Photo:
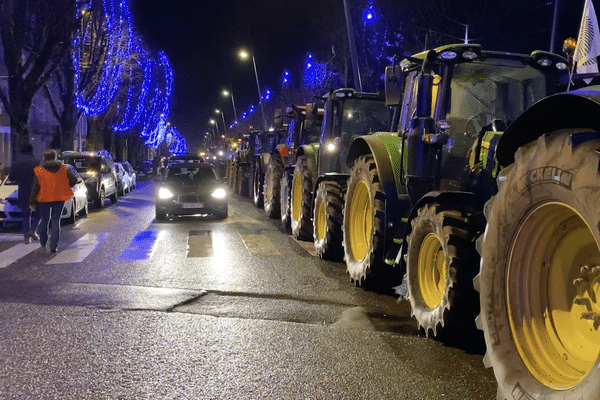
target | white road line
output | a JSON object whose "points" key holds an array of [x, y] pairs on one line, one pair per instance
{"points": [[79, 250], [11, 255]]}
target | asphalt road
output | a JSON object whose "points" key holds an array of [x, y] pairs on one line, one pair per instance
{"points": [[204, 309]]}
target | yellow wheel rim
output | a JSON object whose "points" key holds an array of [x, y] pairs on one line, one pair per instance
{"points": [[296, 197], [432, 270], [553, 290], [360, 221], [321, 222]]}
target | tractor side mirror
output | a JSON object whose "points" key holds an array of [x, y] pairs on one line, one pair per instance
{"points": [[394, 85]]}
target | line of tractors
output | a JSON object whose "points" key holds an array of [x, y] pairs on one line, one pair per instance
{"points": [[472, 188]]}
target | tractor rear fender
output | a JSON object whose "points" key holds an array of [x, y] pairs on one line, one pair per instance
{"points": [[571, 110]]}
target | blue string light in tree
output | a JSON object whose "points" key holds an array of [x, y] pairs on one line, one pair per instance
{"points": [[138, 91], [95, 98], [286, 78], [369, 14], [267, 96], [178, 143], [156, 122]]}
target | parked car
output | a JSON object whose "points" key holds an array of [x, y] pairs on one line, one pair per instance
{"points": [[123, 180], [132, 174], [78, 204], [10, 212], [144, 170], [98, 174], [191, 189]]}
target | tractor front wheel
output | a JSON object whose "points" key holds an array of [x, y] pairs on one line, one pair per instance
{"points": [[327, 220], [441, 262], [363, 225]]}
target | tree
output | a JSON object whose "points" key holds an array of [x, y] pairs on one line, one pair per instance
{"points": [[36, 35]]}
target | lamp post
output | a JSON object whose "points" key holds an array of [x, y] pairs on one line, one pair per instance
{"points": [[227, 93], [214, 123], [223, 118], [245, 55]]}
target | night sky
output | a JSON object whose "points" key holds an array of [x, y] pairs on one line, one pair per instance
{"points": [[202, 38]]}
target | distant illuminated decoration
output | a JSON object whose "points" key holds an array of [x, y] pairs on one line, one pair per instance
{"points": [[369, 15]]}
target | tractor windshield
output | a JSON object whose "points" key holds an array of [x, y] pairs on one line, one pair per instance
{"points": [[495, 91], [362, 117]]}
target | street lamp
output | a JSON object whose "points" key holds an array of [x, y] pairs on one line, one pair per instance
{"points": [[244, 55], [226, 94], [213, 122], [222, 117]]}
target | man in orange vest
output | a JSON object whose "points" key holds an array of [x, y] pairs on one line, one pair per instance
{"points": [[51, 188]]}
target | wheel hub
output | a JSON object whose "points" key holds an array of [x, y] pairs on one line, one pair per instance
{"points": [[432, 270], [361, 221]]}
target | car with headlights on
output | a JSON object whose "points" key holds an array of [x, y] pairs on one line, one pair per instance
{"points": [[191, 189]]}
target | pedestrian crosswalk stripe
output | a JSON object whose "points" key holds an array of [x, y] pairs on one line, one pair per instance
{"points": [[142, 246], [199, 244], [14, 253], [79, 250], [259, 245]]}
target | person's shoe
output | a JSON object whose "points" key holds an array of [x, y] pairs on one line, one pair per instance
{"points": [[27, 239], [34, 236], [54, 250]]}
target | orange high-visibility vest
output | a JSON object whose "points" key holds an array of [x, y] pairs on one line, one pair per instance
{"points": [[54, 186]]}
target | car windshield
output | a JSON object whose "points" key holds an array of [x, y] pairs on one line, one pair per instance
{"points": [[199, 174], [82, 164]]}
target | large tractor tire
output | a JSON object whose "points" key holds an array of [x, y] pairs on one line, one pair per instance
{"points": [[328, 215], [441, 262], [301, 200], [257, 187], [286, 206], [272, 186], [363, 225], [540, 272]]}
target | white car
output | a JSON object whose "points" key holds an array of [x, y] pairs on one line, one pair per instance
{"points": [[78, 204], [10, 212]]}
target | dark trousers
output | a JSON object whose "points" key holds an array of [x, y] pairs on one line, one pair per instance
{"points": [[50, 222], [31, 219]]}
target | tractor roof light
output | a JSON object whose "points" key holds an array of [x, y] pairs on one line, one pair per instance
{"points": [[544, 62], [469, 55], [448, 55], [561, 66]]}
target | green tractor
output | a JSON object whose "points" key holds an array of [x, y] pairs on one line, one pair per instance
{"points": [[490, 161], [318, 182], [303, 127]]}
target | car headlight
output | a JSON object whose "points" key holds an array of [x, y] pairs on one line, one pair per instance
{"points": [[220, 193], [164, 193]]}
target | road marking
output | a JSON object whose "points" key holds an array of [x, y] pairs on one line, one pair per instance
{"points": [[11, 255], [79, 250], [142, 247], [235, 217], [308, 246], [259, 245], [199, 244]]}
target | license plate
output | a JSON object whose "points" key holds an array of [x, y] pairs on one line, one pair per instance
{"points": [[193, 205]]}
